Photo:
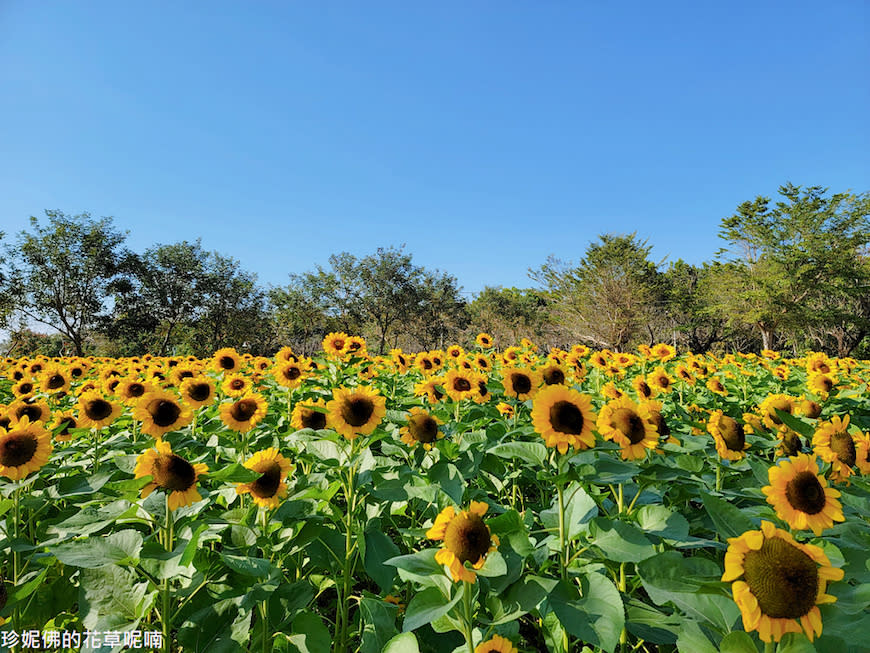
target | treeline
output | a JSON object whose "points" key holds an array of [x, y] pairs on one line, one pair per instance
{"points": [[793, 274]]}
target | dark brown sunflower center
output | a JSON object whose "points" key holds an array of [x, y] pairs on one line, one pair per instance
{"points": [[826, 383], [482, 389], [661, 425], [423, 428], [805, 493], [55, 381], [461, 385], [338, 344], [566, 417], [135, 390], [427, 364], [164, 412], [554, 376], [17, 449], [68, 423], [25, 388], [266, 486], [522, 383], [76, 372], [663, 381], [732, 433], [199, 391], [843, 445], [237, 384], [185, 374], [630, 424], [243, 410], [643, 389], [812, 409], [791, 443], [357, 410], [467, 537], [98, 409], [173, 473], [32, 411], [783, 579], [783, 405], [311, 419], [717, 386], [823, 368], [227, 362], [292, 373]]}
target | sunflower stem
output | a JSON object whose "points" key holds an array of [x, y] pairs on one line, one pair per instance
{"points": [[769, 647], [96, 450], [166, 610], [718, 475], [563, 545], [620, 499], [623, 636], [468, 621], [16, 560], [342, 618]]}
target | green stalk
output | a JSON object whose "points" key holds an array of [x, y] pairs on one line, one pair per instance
{"points": [[468, 621], [563, 545], [166, 610], [342, 623], [623, 636], [769, 647], [718, 475], [96, 450], [16, 560]]}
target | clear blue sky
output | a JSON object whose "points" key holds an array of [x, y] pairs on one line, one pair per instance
{"points": [[485, 135]]}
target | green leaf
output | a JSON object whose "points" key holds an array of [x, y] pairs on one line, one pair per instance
{"points": [[79, 485], [379, 549], [234, 473], [610, 470], [427, 606], [220, 627], [445, 476], [692, 640], [378, 623], [23, 590], [91, 519], [594, 614], [257, 567], [806, 429], [579, 509], [661, 521], [110, 598], [737, 642], [530, 591], [416, 566], [404, 643], [534, 453], [619, 541], [121, 548], [729, 520], [310, 635], [510, 528], [494, 566]]}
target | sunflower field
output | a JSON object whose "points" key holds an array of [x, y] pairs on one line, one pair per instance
{"points": [[470, 500]]}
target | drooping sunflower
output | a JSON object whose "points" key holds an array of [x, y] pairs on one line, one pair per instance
{"points": [[422, 428], [801, 497], [170, 473], [270, 488], [400, 360], [197, 391], [459, 384], [226, 360], [610, 391], [778, 582], [833, 443], [160, 412], [728, 434], [305, 417], [335, 344], [481, 392], [497, 644], [769, 406], [507, 410], [245, 413], [520, 382], [95, 411], [356, 411], [484, 340], [564, 418], [655, 413], [660, 379], [790, 443], [466, 539], [24, 448], [236, 385], [629, 425]]}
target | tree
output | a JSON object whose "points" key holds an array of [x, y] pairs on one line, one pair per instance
{"points": [[61, 271], [689, 308], [510, 314], [610, 298], [791, 260]]}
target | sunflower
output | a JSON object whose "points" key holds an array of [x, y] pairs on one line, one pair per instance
{"points": [[790, 443], [684, 374], [170, 473], [284, 355], [610, 391], [563, 417], [809, 408], [663, 352], [801, 497], [822, 384], [643, 389], [660, 380], [553, 374], [400, 360], [714, 384], [335, 344], [497, 644], [235, 385], [226, 360], [655, 413], [160, 412], [455, 352], [245, 413], [197, 391], [24, 388], [600, 359], [818, 363], [95, 411], [520, 382], [629, 425], [36, 410], [54, 379], [24, 447], [769, 406], [505, 409], [423, 363], [862, 452], [482, 362], [61, 424], [484, 340], [466, 539], [290, 374], [270, 488], [481, 392], [355, 412], [833, 443], [429, 388], [459, 384], [305, 417], [728, 434], [422, 428], [783, 582], [356, 345]]}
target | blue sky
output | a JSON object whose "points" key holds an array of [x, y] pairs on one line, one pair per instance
{"points": [[484, 135]]}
